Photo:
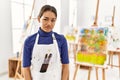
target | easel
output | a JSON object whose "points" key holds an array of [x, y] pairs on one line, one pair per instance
{"points": [[113, 16], [90, 66], [96, 15], [114, 52], [78, 64], [17, 74], [95, 24], [110, 62]]}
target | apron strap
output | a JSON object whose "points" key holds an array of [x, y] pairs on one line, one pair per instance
{"points": [[37, 37], [53, 36], [56, 46]]}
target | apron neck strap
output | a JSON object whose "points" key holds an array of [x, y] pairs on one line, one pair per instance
{"points": [[37, 38], [53, 36]]}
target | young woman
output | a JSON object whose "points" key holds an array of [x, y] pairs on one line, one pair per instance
{"points": [[45, 53]]}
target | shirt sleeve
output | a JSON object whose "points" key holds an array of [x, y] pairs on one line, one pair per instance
{"points": [[27, 53], [64, 51]]}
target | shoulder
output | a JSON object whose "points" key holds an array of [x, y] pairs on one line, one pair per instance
{"points": [[59, 36], [30, 40]]}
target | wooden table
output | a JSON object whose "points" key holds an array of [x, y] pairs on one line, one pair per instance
{"points": [[103, 67], [15, 68]]}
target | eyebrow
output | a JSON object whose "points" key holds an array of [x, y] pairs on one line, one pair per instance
{"points": [[48, 17]]}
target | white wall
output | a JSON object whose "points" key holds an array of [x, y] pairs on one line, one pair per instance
{"points": [[86, 10], [5, 34], [64, 18]]}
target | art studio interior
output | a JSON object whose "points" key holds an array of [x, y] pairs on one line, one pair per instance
{"points": [[91, 29]]}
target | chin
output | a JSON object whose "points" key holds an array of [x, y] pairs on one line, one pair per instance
{"points": [[47, 30]]}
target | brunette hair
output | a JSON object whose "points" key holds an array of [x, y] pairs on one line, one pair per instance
{"points": [[47, 8]]}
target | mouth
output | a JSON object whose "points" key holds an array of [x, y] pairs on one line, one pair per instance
{"points": [[48, 28]]}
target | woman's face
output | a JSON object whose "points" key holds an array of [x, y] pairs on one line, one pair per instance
{"points": [[47, 21]]}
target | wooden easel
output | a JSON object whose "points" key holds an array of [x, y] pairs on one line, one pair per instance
{"points": [[110, 62], [113, 17], [95, 23], [17, 73], [96, 15], [90, 66], [111, 53]]}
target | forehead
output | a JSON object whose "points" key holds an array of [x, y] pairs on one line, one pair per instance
{"points": [[49, 14]]}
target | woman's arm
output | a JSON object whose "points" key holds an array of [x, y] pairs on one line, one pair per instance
{"points": [[27, 73], [65, 71]]}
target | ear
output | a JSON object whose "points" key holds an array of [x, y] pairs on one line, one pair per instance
{"points": [[38, 19]]}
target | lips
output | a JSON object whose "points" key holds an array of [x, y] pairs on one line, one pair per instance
{"points": [[48, 28]]}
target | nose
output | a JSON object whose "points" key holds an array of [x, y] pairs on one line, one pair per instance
{"points": [[49, 22]]}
